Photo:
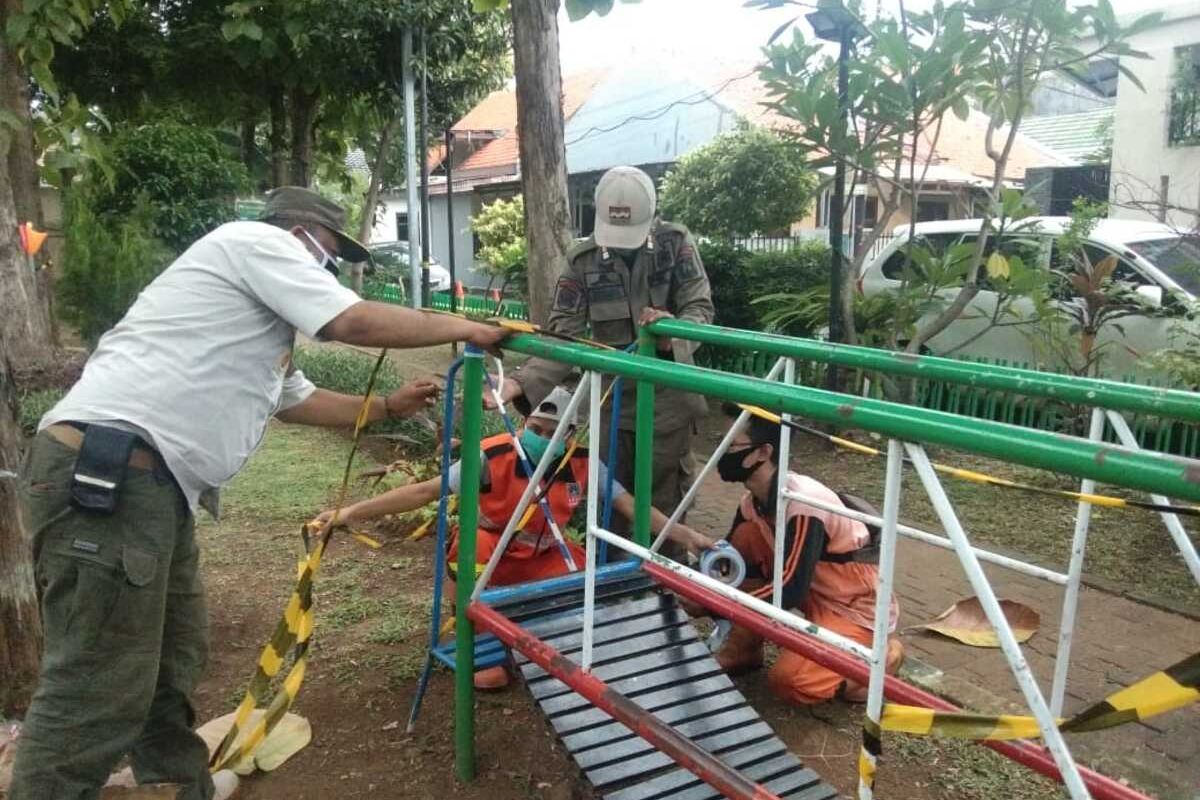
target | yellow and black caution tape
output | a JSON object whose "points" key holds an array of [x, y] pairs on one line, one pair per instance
{"points": [[294, 630], [868, 756], [1106, 501], [1172, 688]]}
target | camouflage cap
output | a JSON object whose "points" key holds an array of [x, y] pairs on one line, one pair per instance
{"points": [[305, 205]]}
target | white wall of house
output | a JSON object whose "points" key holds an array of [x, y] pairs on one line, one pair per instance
{"points": [[464, 246], [393, 215], [1142, 154], [385, 217]]}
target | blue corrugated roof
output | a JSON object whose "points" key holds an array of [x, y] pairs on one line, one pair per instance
{"points": [[610, 129]]}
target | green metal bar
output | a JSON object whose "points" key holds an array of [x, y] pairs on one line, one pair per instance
{"points": [[1064, 388], [643, 475], [468, 519], [1153, 472]]}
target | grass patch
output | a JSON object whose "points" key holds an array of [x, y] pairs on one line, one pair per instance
{"points": [[399, 619], [295, 474], [34, 405], [968, 771]]}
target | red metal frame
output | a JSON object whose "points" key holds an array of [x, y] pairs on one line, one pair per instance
{"points": [[1036, 758], [728, 781]]}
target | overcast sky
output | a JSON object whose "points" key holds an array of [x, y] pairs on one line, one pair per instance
{"points": [[682, 32]]}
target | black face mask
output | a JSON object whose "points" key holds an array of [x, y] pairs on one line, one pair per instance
{"points": [[730, 466]]}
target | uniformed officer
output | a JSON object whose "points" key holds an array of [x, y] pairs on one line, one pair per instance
{"points": [[633, 270]]}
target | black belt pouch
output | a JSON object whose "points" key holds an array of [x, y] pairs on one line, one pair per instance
{"points": [[100, 468]]}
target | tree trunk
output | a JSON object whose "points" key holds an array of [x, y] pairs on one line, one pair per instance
{"points": [[249, 147], [20, 632], [543, 153], [377, 169], [24, 317], [22, 161], [367, 224], [278, 136], [303, 108]]}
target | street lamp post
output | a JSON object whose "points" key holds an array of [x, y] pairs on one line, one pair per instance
{"points": [[834, 23]]}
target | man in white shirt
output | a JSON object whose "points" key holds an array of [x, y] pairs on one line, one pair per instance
{"points": [[174, 400]]}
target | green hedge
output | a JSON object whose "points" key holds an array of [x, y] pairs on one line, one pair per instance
{"points": [[739, 276]]}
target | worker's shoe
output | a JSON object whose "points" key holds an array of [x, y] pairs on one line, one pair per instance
{"points": [[492, 679], [225, 784], [742, 651], [856, 692]]}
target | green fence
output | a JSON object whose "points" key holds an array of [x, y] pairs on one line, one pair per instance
{"points": [[1153, 433]]}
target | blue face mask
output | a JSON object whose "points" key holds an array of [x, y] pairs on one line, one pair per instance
{"points": [[536, 446]]}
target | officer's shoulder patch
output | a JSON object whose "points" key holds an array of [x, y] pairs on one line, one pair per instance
{"points": [[581, 247], [568, 295]]}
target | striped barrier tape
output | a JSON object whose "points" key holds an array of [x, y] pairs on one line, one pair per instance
{"points": [[868, 758], [1172, 688], [1106, 501], [294, 631]]}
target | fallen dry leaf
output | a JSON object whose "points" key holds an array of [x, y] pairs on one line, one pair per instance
{"points": [[290, 736], [966, 622]]}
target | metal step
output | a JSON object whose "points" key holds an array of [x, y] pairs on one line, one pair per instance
{"points": [[646, 649]]}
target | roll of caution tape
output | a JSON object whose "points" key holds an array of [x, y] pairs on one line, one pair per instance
{"points": [[724, 563]]}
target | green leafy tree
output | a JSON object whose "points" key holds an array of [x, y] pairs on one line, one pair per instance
{"points": [[107, 262], [740, 184], [540, 125], [500, 227], [185, 176], [907, 73]]}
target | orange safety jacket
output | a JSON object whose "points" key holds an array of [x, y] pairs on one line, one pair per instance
{"points": [[828, 559], [502, 484]]}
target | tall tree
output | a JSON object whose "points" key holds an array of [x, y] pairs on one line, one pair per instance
{"points": [[20, 633], [540, 128], [542, 150]]}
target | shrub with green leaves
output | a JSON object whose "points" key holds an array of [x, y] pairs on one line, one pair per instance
{"points": [[500, 226], [749, 182], [106, 263], [739, 277], [34, 405], [184, 174]]}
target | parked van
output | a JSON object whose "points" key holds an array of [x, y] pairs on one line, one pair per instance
{"points": [[1161, 265]]}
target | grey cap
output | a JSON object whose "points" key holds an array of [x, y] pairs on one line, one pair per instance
{"points": [[554, 405], [305, 205], [625, 205]]}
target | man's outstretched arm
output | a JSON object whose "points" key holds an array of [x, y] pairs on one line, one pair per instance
{"points": [[370, 324]]}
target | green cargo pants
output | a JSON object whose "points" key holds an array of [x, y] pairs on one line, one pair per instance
{"points": [[673, 472], [126, 636]]}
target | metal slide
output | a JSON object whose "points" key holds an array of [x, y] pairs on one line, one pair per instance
{"points": [[646, 648]]}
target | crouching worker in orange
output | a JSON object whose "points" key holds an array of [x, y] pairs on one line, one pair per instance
{"points": [[830, 567], [533, 554]]}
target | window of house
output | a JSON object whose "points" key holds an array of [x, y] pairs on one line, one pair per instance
{"points": [[1184, 130], [870, 212], [933, 210], [402, 226]]}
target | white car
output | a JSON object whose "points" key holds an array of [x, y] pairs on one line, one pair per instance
{"points": [[1162, 265], [391, 258]]}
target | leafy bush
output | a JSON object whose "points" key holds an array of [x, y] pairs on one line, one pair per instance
{"points": [[500, 226], [738, 277], [347, 372], [183, 173], [106, 263], [34, 405], [744, 183]]}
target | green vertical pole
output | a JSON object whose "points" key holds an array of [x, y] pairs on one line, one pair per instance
{"points": [[468, 519], [643, 476]]}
